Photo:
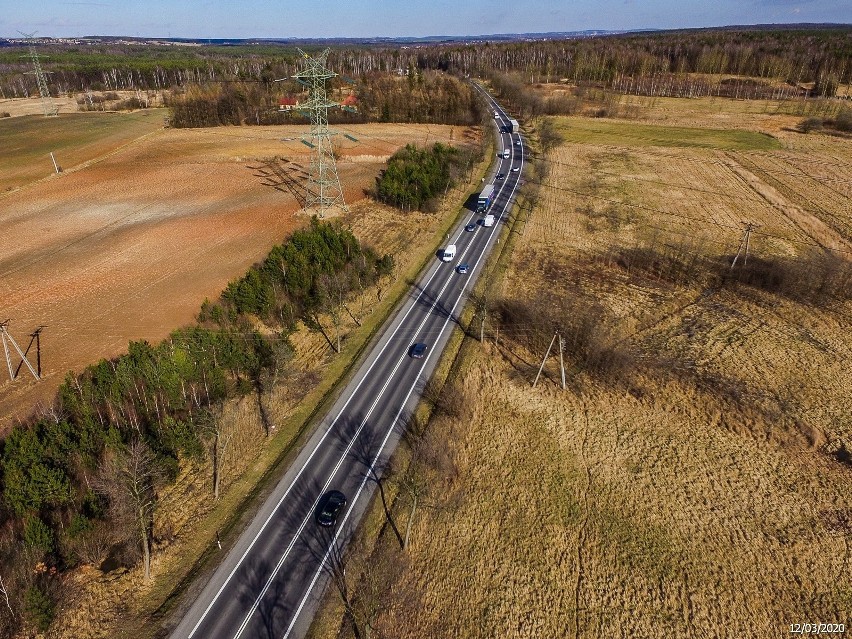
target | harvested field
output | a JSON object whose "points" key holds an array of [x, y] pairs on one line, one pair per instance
{"points": [[693, 479], [584, 131], [127, 245]]}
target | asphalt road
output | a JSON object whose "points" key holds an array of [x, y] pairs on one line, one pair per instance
{"points": [[270, 583]]}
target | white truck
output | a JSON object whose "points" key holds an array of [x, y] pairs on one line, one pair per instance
{"points": [[488, 221], [513, 126], [449, 253]]}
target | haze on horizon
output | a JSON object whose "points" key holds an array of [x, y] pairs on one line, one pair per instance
{"points": [[372, 18]]}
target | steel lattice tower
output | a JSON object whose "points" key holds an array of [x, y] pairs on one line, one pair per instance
{"points": [[41, 78], [323, 191]]}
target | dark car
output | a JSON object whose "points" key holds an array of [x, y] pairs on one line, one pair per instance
{"points": [[462, 268], [418, 350], [329, 507], [499, 176], [470, 227]]}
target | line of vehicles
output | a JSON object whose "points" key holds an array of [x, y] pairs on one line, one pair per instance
{"points": [[485, 197]]}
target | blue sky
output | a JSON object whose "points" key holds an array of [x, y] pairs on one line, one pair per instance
{"points": [[364, 18]]}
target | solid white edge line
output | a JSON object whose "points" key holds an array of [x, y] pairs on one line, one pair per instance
{"points": [[310, 457], [340, 461]]}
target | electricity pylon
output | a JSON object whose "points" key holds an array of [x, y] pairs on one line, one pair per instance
{"points": [[41, 78], [5, 337], [323, 188]]}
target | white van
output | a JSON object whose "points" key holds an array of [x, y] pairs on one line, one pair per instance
{"points": [[449, 253], [506, 154], [488, 221]]}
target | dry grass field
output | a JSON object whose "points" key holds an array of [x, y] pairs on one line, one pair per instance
{"points": [[695, 482], [144, 223]]}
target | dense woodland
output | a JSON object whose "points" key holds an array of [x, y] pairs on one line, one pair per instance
{"points": [[79, 482], [422, 96], [819, 55]]}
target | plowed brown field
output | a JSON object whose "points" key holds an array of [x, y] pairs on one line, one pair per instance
{"points": [[126, 244]]}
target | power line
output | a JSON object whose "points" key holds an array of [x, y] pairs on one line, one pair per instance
{"points": [[50, 109]]}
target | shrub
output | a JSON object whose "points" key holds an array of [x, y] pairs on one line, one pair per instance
{"points": [[415, 177], [38, 535], [810, 124], [39, 608], [843, 121]]}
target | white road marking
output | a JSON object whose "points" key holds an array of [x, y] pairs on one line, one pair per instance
{"points": [[393, 423], [340, 461]]}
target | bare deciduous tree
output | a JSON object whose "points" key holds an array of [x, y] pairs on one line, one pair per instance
{"points": [[219, 436], [5, 594], [127, 478]]}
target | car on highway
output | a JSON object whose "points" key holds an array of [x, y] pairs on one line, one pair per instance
{"points": [[470, 228], [517, 143], [499, 176], [329, 508], [418, 350], [462, 268], [516, 169]]}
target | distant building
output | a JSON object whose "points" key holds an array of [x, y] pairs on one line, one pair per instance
{"points": [[350, 101], [287, 103]]}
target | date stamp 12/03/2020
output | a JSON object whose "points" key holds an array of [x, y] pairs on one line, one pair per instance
{"points": [[817, 628]]}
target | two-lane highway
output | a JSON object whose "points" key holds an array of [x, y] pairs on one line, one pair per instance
{"points": [[270, 583]]}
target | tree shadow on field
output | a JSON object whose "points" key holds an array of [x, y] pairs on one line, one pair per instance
{"points": [[283, 175]]}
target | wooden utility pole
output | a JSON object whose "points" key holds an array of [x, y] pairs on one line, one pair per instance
{"points": [[543, 360], [745, 242], [6, 338], [561, 361]]}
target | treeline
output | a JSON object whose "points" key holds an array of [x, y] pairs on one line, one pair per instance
{"points": [[823, 56], [419, 96], [221, 104], [599, 343], [422, 96], [80, 482], [415, 178], [819, 55]]}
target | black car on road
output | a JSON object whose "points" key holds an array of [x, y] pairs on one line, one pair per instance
{"points": [[470, 227], [329, 508], [418, 350]]}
